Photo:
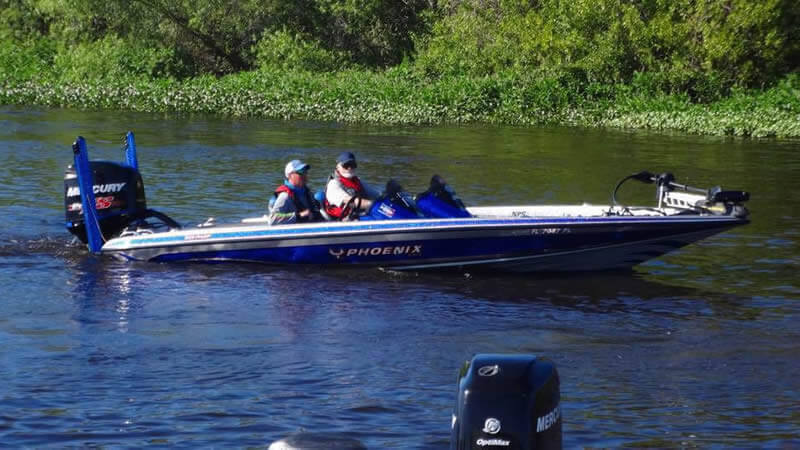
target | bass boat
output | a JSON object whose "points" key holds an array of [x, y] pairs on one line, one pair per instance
{"points": [[106, 209]]}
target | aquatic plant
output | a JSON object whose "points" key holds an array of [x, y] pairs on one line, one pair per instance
{"points": [[400, 97]]}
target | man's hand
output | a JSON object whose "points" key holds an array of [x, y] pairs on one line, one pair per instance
{"points": [[359, 203], [365, 204], [304, 213]]}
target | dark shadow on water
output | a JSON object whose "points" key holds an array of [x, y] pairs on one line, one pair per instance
{"points": [[604, 292]]}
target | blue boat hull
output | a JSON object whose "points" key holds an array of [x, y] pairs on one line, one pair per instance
{"points": [[509, 245]]}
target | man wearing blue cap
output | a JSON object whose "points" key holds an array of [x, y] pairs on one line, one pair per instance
{"points": [[292, 201], [345, 195]]}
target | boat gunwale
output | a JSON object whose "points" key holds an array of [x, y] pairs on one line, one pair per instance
{"points": [[254, 232]]}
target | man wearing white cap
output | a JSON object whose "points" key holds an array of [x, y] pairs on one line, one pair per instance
{"points": [[292, 201], [346, 195]]}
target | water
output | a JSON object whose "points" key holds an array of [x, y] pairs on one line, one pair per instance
{"points": [[697, 348]]}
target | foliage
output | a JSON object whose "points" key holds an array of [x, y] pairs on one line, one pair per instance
{"points": [[377, 33], [19, 21], [219, 37], [20, 64], [109, 58], [699, 47], [284, 50], [703, 48]]}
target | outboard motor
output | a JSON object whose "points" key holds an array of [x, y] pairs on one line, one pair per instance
{"points": [[393, 204], [507, 402], [441, 201], [115, 200], [119, 198]]}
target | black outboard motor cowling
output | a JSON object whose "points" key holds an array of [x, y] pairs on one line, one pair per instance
{"points": [[507, 402], [119, 197]]}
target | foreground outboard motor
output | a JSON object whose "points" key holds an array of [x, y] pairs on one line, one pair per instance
{"points": [[441, 201], [507, 402], [393, 204]]}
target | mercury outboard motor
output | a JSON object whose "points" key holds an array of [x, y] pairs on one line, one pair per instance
{"points": [[441, 201], [507, 402], [393, 204], [113, 199], [119, 198]]}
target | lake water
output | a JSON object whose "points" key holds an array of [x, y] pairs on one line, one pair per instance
{"points": [[698, 348]]}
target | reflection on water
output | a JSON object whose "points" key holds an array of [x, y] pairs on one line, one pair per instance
{"points": [[697, 348]]}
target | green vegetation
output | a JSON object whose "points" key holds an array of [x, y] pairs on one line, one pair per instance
{"points": [[711, 66]]}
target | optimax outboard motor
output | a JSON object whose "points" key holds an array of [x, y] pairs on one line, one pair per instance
{"points": [[507, 402], [441, 201]]}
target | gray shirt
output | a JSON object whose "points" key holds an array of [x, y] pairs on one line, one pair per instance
{"points": [[284, 210]]}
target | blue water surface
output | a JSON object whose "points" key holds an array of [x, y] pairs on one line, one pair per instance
{"points": [[697, 348]]}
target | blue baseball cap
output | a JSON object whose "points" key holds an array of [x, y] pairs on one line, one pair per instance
{"points": [[346, 157], [295, 165]]}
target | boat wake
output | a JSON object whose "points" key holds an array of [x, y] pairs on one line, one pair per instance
{"points": [[46, 245]]}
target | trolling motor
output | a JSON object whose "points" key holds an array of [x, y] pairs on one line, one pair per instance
{"points": [[671, 194], [103, 198], [507, 402]]}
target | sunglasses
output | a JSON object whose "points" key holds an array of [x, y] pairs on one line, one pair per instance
{"points": [[349, 165]]}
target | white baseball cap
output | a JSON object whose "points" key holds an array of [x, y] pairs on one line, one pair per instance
{"points": [[295, 165]]}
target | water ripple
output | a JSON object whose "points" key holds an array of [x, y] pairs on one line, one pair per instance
{"points": [[695, 349]]}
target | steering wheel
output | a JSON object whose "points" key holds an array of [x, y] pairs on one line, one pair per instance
{"points": [[351, 208]]}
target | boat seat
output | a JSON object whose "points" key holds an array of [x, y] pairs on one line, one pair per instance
{"points": [[319, 196]]}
